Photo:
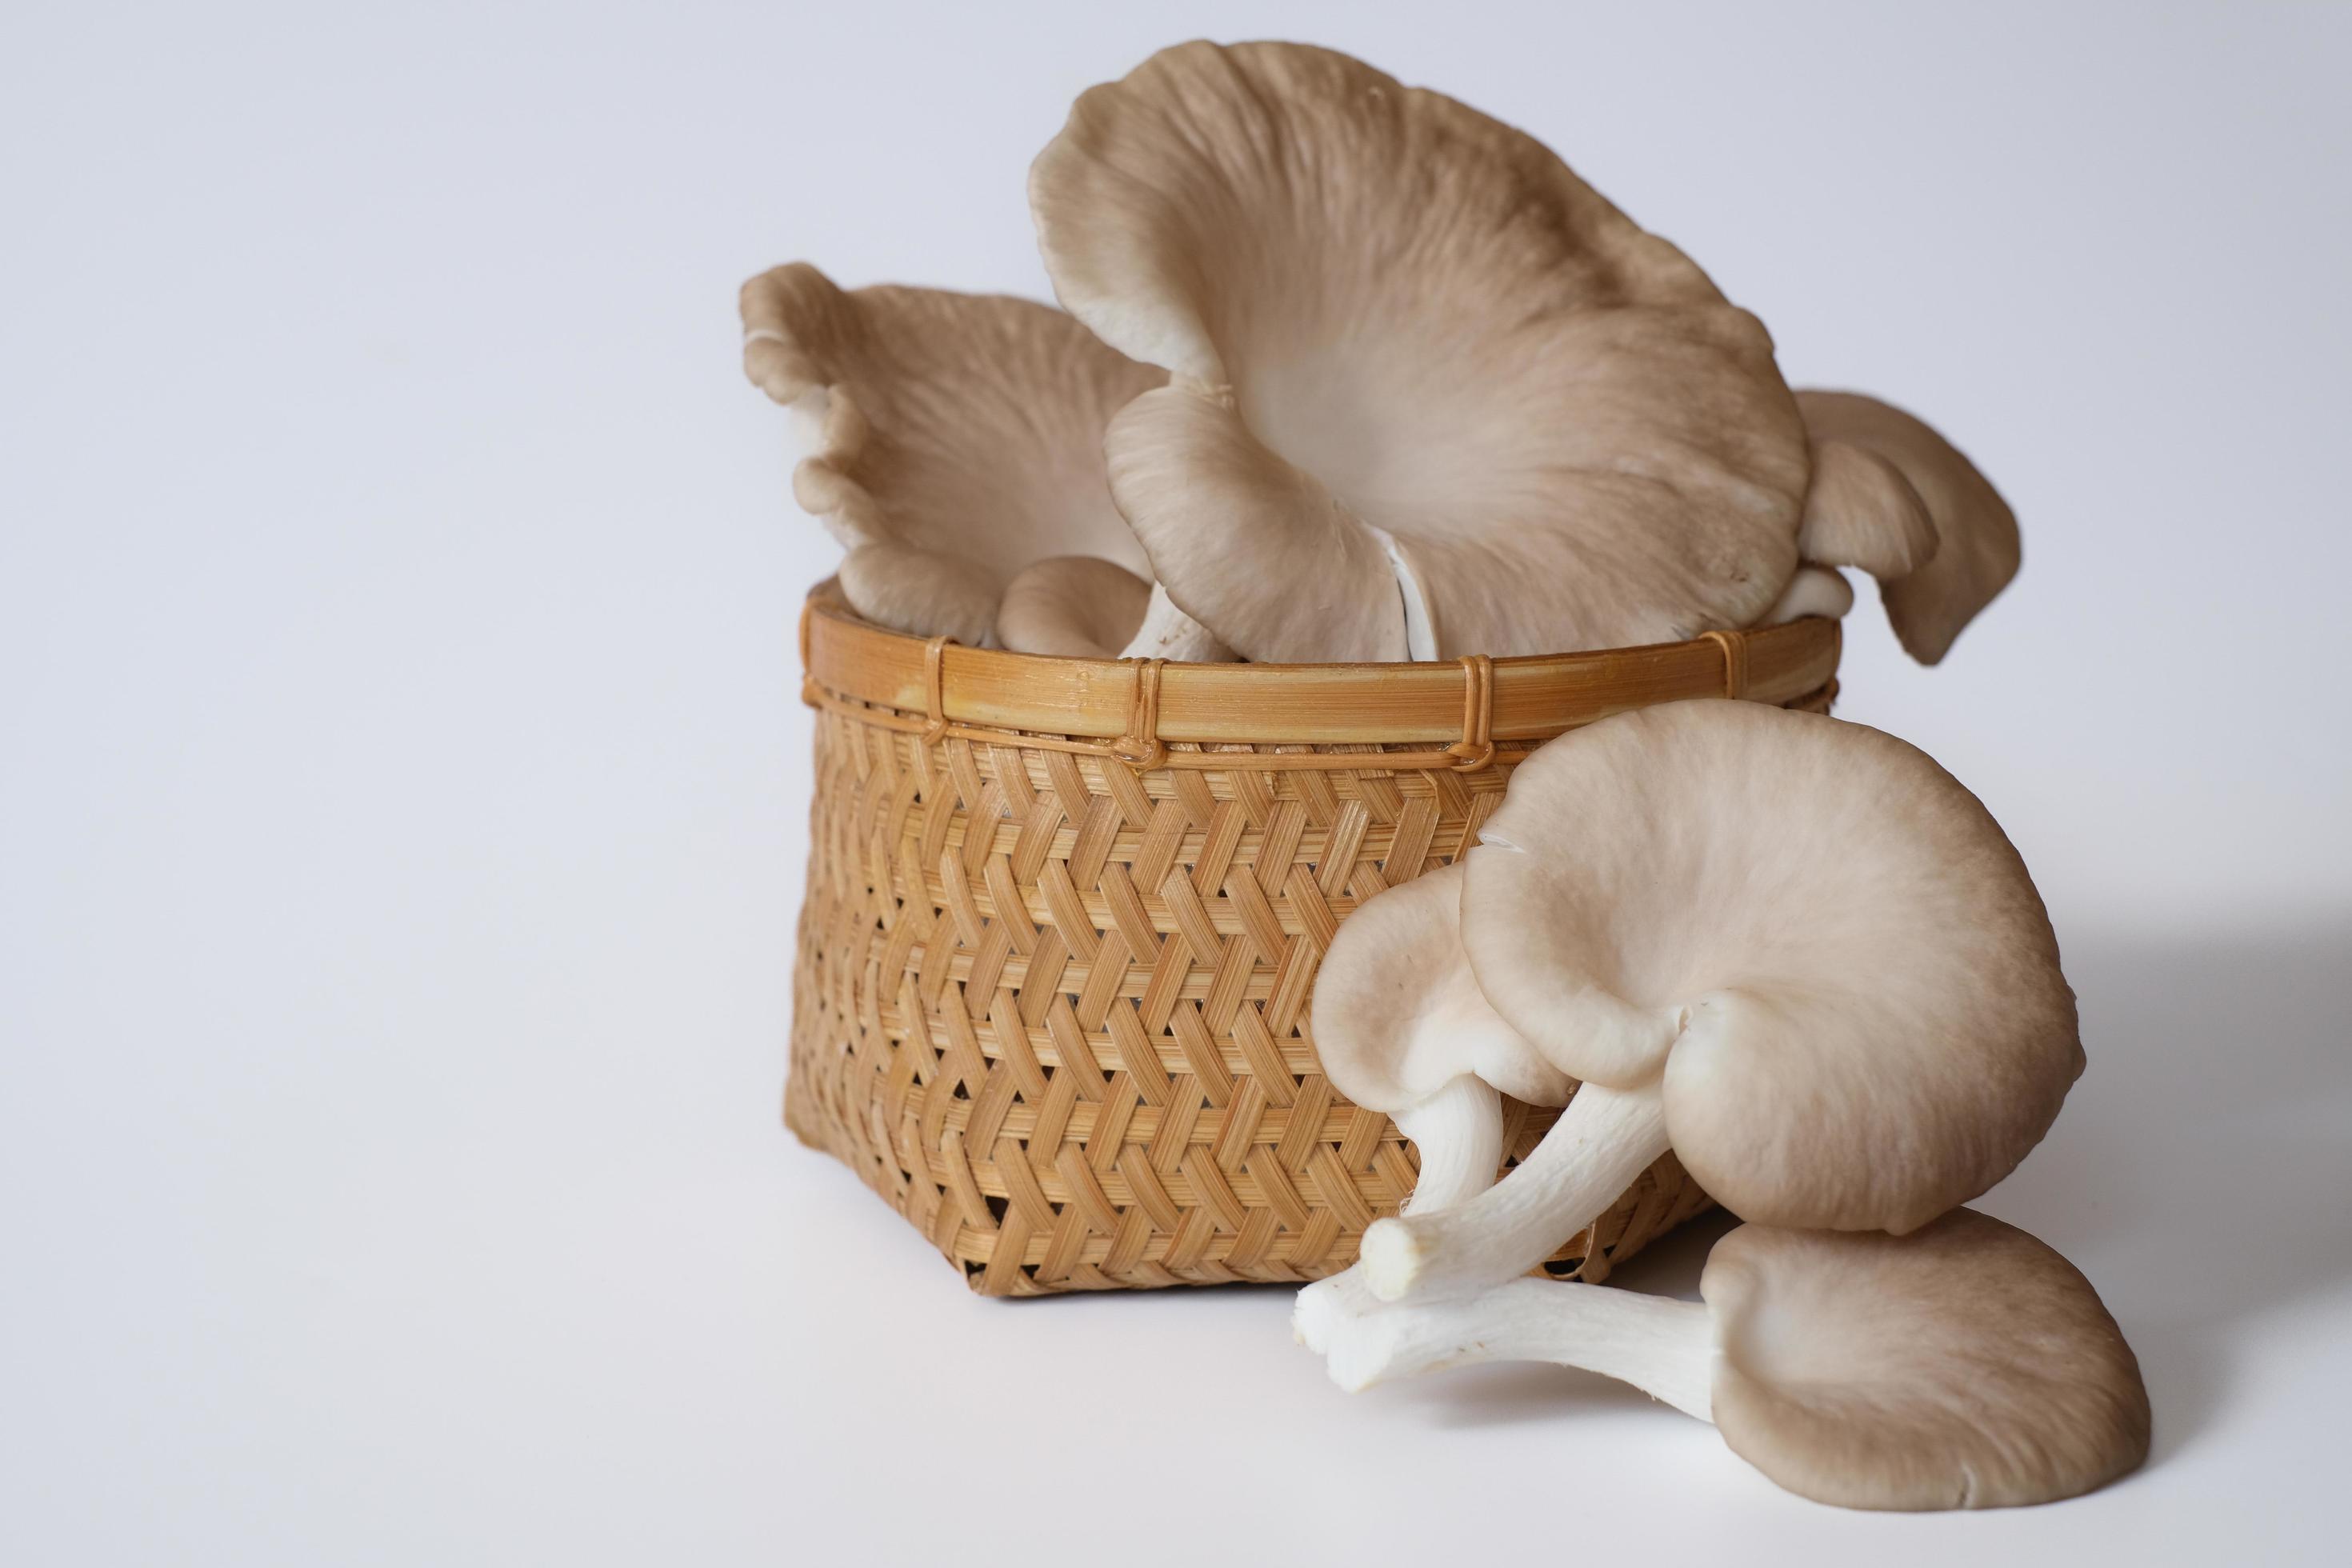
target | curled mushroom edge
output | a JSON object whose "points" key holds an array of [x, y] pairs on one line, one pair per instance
{"points": [[949, 440]]}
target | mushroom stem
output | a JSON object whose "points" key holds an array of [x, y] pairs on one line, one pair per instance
{"points": [[1168, 633], [1459, 1131], [1660, 1345], [1602, 1140]]}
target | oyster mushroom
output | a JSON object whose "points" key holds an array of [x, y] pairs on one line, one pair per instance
{"points": [[1399, 1026], [954, 438], [1079, 606], [1893, 497], [1417, 362], [1791, 949], [1082, 606], [1963, 1366]]}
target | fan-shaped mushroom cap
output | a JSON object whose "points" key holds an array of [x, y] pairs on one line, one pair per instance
{"points": [[1396, 1014], [1080, 606], [1965, 1366], [1391, 317], [1977, 549], [955, 438], [1818, 936]]}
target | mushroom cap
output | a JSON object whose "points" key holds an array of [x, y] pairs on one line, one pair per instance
{"points": [[1390, 315], [1977, 549], [1820, 938], [1965, 1366], [1080, 606], [953, 438], [1861, 511], [1396, 1014]]}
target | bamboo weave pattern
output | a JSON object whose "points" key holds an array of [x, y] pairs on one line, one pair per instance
{"points": [[1054, 1009]]}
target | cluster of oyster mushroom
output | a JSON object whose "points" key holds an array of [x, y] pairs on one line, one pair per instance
{"points": [[1838, 1003], [1348, 371]]}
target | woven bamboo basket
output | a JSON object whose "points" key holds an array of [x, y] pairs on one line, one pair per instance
{"points": [[1064, 917]]}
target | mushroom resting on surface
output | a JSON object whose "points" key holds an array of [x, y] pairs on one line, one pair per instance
{"points": [[1893, 497], [953, 438], [1791, 949], [1399, 1026], [1963, 1366], [1432, 395]]}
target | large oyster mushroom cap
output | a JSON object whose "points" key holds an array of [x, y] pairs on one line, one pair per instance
{"points": [[1387, 312], [952, 439], [1823, 942], [1965, 1366], [1977, 550]]}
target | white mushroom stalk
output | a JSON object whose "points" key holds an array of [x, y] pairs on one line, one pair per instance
{"points": [[1814, 591], [1431, 394], [952, 439], [1459, 1131], [1791, 949], [1400, 1025], [1964, 1365], [1893, 497]]}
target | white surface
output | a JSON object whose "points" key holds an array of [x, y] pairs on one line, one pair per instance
{"points": [[405, 798]]}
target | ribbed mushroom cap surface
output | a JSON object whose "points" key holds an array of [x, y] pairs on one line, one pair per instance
{"points": [[1386, 310], [1396, 1014], [953, 438], [1823, 941], [1965, 1366]]}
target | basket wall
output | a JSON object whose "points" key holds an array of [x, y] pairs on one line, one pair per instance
{"points": [[1055, 1010]]}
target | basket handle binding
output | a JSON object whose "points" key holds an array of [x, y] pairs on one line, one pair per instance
{"points": [[1141, 748], [1734, 661]]}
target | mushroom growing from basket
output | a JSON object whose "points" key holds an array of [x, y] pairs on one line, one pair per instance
{"points": [[1432, 396], [952, 438], [1893, 497], [1082, 606], [1399, 1026], [1964, 1365], [1791, 949]]}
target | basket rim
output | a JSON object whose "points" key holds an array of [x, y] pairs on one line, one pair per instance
{"points": [[1523, 698]]}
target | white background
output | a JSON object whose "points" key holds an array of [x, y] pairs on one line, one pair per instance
{"points": [[403, 799]]}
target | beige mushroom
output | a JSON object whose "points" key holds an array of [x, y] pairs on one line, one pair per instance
{"points": [[1963, 1366], [954, 438], [1399, 1026], [1793, 948], [1416, 358], [1081, 606], [1893, 497]]}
